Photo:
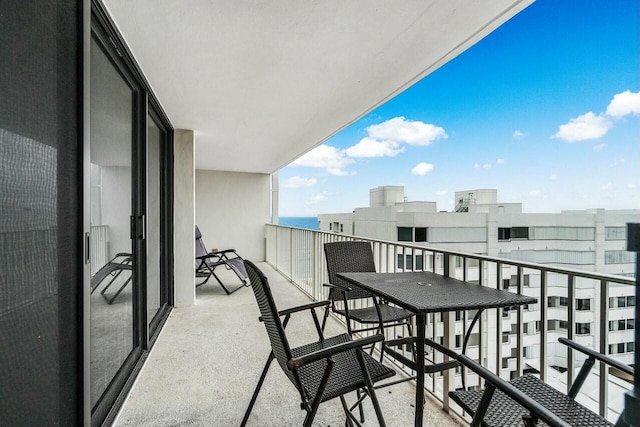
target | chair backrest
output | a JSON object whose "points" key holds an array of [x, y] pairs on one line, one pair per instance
{"points": [[201, 250], [271, 320], [344, 257]]}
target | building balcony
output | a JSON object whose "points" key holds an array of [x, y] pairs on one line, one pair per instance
{"points": [[210, 357]]}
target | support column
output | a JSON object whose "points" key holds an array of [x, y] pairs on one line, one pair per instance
{"points": [[275, 198], [184, 210]]}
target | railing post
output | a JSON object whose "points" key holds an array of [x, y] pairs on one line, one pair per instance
{"points": [[499, 322], [543, 324], [448, 376], [603, 395], [571, 287], [519, 328], [632, 398]]}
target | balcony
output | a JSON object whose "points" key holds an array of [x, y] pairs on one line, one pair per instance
{"points": [[211, 356]]}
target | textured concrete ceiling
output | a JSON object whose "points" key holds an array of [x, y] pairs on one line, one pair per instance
{"points": [[262, 82]]}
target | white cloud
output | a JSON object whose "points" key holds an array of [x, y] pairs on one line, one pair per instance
{"points": [[598, 148], [369, 147], [518, 134], [422, 169], [608, 186], [441, 193], [298, 182], [476, 166], [327, 157], [631, 186], [535, 193], [401, 130], [500, 161], [624, 103], [321, 197], [586, 126], [553, 177], [486, 166]]}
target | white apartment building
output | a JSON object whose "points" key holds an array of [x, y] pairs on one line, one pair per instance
{"points": [[591, 240]]}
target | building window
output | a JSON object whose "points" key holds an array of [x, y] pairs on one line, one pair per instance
{"points": [[622, 302], [458, 341], [562, 324], [409, 262], [583, 304], [615, 233], [526, 280], [405, 234], [564, 301], [551, 301], [400, 261], [421, 234], [631, 301], [419, 264], [621, 347], [583, 328], [551, 325], [537, 326], [622, 325], [525, 328], [630, 347], [618, 257], [505, 283], [504, 233], [612, 326], [520, 232], [631, 324]]}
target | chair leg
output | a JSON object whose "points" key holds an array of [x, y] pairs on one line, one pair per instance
{"points": [[410, 330], [370, 388], [325, 317], [224, 287], [347, 413], [316, 402], [257, 390]]}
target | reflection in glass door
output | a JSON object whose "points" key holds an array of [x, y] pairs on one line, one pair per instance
{"points": [[155, 292], [112, 263]]}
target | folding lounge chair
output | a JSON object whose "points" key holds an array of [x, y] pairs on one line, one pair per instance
{"points": [[119, 263], [207, 262], [322, 370]]}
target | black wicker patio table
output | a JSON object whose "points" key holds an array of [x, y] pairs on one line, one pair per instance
{"points": [[426, 292]]}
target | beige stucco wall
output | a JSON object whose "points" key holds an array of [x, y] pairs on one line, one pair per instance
{"points": [[232, 209]]}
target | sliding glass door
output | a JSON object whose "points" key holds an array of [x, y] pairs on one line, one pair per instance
{"points": [[130, 196]]}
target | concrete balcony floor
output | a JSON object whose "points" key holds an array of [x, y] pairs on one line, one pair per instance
{"points": [[208, 359]]}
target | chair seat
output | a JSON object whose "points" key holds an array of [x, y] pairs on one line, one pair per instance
{"points": [[370, 314], [346, 375], [503, 411]]}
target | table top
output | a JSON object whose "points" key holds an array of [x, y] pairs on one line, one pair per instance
{"points": [[426, 292]]}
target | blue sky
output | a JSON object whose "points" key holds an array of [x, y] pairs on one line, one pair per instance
{"points": [[546, 109]]}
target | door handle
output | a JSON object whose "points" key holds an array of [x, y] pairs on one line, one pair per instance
{"points": [[137, 227]]}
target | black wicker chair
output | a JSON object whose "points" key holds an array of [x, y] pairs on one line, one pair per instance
{"points": [[527, 401], [350, 256], [320, 371], [207, 262]]}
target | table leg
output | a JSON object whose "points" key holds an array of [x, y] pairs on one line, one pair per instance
{"points": [[420, 333]]}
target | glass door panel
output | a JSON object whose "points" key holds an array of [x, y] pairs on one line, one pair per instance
{"points": [[155, 139], [112, 263]]}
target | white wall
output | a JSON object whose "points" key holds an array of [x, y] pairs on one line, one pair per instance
{"points": [[232, 209], [184, 220], [116, 207]]}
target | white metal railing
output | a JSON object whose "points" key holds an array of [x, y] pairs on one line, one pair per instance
{"points": [[498, 339]]}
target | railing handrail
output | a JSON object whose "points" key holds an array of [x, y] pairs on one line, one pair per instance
{"points": [[524, 264]]}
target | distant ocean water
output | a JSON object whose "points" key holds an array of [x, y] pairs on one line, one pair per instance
{"points": [[310, 223]]}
